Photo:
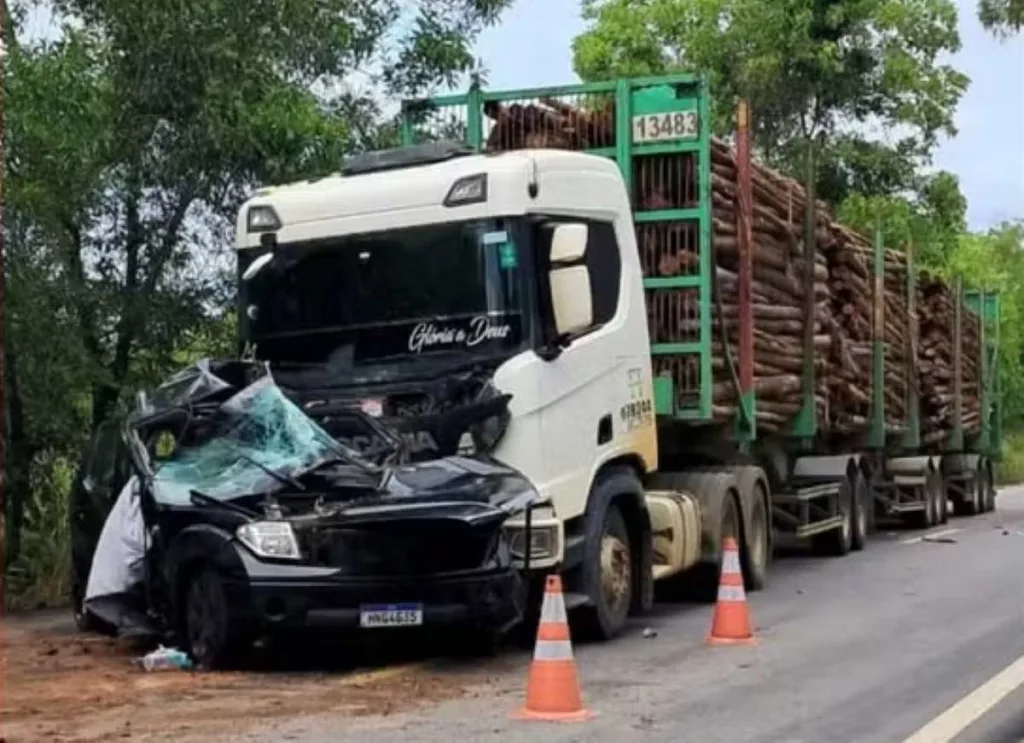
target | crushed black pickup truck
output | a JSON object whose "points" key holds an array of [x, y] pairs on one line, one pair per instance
{"points": [[217, 511]]}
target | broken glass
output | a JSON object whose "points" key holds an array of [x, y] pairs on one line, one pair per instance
{"points": [[256, 430]]}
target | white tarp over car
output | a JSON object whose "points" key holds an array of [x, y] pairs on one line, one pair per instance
{"points": [[118, 563]]}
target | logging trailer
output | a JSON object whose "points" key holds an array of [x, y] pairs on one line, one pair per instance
{"points": [[570, 250]]}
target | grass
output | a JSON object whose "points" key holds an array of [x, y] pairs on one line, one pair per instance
{"points": [[1010, 471], [41, 576]]}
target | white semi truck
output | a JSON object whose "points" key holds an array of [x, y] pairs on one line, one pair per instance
{"points": [[429, 274]]}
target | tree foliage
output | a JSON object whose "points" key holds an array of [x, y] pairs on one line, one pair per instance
{"points": [[1003, 17], [808, 68], [132, 138]]}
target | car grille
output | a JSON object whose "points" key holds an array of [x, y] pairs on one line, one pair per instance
{"points": [[420, 547]]}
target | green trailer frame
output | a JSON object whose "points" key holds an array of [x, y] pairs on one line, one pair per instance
{"points": [[636, 100]]}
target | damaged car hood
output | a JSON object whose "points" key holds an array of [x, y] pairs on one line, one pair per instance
{"points": [[240, 439]]}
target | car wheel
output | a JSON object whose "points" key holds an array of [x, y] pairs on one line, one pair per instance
{"points": [[89, 623], [213, 638]]}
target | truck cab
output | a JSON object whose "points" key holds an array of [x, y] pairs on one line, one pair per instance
{"points": [[418, 280]]}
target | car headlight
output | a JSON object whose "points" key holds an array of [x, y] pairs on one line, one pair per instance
{"points": [[543, 542], [274, 539]]}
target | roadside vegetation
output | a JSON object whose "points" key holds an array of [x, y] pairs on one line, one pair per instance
{"points": [[134, 131]]}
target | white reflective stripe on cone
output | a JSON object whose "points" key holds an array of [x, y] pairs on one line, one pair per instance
{"points": [[731, 593], [552, 609], [553, 650], [731, 562]]}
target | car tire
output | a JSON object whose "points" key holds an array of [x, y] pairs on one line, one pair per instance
{"points": [[89, 623], [213, 637]]}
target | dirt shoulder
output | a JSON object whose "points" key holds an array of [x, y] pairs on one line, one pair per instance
{"points": [[59, 685]]}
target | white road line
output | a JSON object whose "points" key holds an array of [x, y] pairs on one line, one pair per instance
{"points": [[968, 710], [930, 535]]}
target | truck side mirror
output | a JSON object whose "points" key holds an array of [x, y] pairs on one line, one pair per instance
{"points": [[570, 284], [570, 300]]}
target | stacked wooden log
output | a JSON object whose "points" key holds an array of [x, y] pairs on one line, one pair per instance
{"points": [[777, 293], [843, 280], [937, 362], [852, 271]]}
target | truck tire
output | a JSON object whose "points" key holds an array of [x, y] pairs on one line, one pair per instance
{"points": [[756, 545], [988, 488], [970, 503], [942, 503], [608, 576], [700, 583], [837, 542], [861, 504]]}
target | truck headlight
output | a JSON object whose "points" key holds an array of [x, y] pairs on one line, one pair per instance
{"points": [[274, 539], [543, 542]]}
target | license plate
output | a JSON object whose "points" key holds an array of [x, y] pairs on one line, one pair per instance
{"points": [[390, 615]]}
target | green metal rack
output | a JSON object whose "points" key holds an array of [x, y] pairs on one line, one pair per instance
{"points": [[660, 138]]}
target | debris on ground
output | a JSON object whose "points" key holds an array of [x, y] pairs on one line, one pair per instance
{"points": [[163, 659], [66, 687]]}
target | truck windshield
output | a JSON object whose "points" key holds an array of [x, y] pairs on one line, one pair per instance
{"points": [[361, 299]]}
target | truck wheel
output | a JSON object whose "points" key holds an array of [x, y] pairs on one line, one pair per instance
{"points": [[988, 489], [213, 639], [837, 542], [861, 502], [609, 576], [939, 488], [757, 552], [970, 503]]}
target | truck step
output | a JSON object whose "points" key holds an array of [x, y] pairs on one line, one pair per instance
{"points": [[806, 494], [818, 527]]}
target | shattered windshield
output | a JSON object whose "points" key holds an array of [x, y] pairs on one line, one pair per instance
{"points": [[256, 430], [359, 299]]}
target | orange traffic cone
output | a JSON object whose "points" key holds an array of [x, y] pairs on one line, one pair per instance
{"points": [[552, 687], [730, 624]]}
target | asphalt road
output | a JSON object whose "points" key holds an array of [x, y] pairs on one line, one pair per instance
{"points": [[871, 647]]}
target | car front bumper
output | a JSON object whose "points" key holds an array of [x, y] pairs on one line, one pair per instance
{"points": [[286, 597]]}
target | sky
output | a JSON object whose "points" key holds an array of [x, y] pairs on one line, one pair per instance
{"points": [[532, 47]]}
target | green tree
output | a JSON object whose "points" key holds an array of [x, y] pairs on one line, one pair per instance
{"points": [[1004, 17], [933, 219], [995, 261], [808, 68], [131, 141]]}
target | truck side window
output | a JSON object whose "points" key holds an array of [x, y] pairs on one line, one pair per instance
{"points": [[605, 266]]}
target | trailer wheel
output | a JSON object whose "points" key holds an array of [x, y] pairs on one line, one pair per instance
{"points": [[939, 487], [838, 541], [861, 502], [609, 578], [758, 547], [988, 489], [971, 502]]}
